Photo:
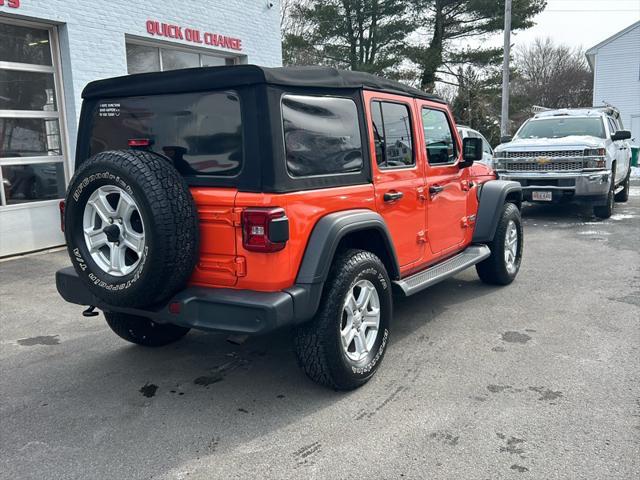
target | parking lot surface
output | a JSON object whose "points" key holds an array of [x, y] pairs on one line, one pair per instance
{"points": [[540, 380]]}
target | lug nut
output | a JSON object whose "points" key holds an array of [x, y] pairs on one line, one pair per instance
{"points": [[110, 220]]}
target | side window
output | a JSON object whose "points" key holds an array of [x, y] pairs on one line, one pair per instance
{"points": [[392, 134], [612, 125], [440, 143], [321, 135]]}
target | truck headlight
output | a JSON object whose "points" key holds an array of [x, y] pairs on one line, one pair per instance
{"points": [[595, 152], [596, 163]]}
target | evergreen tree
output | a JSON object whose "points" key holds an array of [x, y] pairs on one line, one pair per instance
{"points": [[448, 23], [364, 35]]}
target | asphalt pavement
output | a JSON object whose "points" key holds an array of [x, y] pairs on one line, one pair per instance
{"points": [[540, 379]]}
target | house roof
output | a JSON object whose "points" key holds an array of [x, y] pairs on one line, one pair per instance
{"points": [[211, 78], [591, 53]]}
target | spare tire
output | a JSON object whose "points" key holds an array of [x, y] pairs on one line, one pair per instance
{"points": [[131, 227]]}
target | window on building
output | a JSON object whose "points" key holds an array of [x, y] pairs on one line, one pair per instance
{"points": [[143, 58], [438, 136], [392, 134], [321, 135], [31, 156]]}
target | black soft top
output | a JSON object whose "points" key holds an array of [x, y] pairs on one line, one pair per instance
{"points": [[213, 78]]}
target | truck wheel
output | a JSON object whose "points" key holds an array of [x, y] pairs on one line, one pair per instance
{"points": [[506, 248], [605, 211], [131, 227], [623, 195], [142, 331], [343, 345]]}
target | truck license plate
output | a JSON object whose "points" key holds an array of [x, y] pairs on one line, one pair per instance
{"points": [[541, 196]]}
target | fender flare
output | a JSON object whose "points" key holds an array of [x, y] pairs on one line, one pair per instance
{"points": [[491, 198], [328, 233]]}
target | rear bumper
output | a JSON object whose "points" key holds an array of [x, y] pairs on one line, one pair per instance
{"points": [[211, 309], [589, 187]]}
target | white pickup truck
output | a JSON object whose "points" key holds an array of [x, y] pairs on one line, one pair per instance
{"points": [[575, 155]]}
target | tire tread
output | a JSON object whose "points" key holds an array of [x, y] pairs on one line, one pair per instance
{"points": [[310, 339]]}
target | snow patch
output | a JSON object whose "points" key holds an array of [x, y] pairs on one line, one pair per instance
{"points": [[622, 216], [593, 232]]}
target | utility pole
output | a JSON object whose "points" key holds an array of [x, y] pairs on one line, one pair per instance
{"points": [[504, 120]]}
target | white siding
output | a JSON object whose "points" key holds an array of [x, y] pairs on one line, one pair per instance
{"points": [[617, 77]]}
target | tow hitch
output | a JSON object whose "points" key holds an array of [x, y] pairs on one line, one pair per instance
{"points": [[90, 312]]}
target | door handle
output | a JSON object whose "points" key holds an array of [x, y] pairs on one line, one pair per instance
{"points": [[435, 189], [393, 196]]}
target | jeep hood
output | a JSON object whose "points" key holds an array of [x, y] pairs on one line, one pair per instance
{"points": [[574, 142]]}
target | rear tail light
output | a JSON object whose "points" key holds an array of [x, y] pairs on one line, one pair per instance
{"points": [[264, 229], [61, 207], [139, 142]]}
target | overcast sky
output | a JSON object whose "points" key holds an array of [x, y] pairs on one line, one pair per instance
{"points": [[581, 23]]}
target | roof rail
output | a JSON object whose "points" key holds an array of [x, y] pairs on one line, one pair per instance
{"points": [[538, 109]]}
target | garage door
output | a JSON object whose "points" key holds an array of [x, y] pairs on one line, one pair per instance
{"points": [[32, 147]]}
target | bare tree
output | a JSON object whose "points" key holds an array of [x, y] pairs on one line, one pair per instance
{"points": [[553, 76]]}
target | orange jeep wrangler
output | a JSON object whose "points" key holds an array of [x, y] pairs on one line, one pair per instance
{"points": [[244, 199]]}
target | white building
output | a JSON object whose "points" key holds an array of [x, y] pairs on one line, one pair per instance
{"points": [[616, 67], [49, 50]]}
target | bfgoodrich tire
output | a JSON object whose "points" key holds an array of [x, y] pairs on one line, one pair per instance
{"points": [[342, 347], [131, 227], [502, 266], [142, 331]]}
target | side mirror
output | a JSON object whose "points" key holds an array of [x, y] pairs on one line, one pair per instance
{"points": [[471, 151], [506, 139], [621, 135]]}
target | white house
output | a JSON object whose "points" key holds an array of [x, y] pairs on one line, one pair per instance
{"points": [[616, 69]]}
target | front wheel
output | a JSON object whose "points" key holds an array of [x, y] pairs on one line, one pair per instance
{"points": [[606, 210], [343, 345], [142, 331], [503, 264], [623, 195]]}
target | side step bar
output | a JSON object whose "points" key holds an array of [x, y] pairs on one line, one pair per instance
{"points": [[436, 273]]}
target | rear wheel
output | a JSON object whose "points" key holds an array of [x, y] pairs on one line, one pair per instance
{"points": [[503, 265], [142, 331], [343, 345]]}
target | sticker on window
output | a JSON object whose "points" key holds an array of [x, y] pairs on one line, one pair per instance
{"points": [[109, 110]]}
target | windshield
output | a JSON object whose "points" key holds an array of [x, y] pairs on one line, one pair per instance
{"points": [[559, 127]]}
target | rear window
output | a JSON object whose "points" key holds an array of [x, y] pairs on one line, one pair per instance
{"points": [[321, 135], [200, 132]]}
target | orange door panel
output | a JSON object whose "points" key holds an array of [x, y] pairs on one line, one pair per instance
{"points": [[447, 208], [446, 183], [398, 173]]}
